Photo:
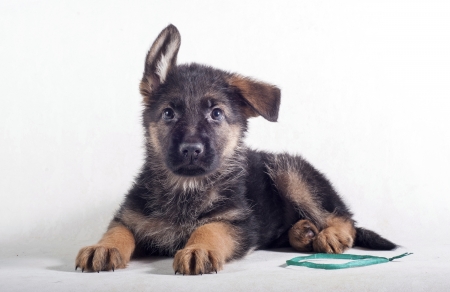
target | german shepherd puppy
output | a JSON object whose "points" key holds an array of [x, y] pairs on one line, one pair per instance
{"points": [[205, 198]]}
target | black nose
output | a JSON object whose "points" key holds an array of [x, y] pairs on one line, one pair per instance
{"points": [[193, 150]]}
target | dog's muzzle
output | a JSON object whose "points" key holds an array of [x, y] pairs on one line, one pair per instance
{"points": [[190, 159]]}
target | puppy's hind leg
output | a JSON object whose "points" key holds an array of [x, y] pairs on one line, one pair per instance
{"points": [[338, 235], [327, 225], [113, 251], [302, 234]]}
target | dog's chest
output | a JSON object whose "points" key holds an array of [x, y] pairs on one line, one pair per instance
{"points": [[170, 223], [167, 236], [162, 234]]}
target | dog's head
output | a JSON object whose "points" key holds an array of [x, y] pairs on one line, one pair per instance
{"points": [[195, 116]]}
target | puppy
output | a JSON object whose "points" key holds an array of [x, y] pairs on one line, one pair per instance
{"points": [[205, 198]]}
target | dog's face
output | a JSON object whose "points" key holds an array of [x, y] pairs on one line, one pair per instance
{"points": [[195, 116], [194, 120]]}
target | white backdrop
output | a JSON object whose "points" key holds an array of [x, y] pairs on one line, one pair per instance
{"points": [[365, 98]]}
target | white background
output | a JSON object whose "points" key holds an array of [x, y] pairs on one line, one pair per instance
{"points": [[365, 98]]}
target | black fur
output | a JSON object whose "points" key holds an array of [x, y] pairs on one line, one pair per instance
{"points": [[372, 240], [198, 171]]}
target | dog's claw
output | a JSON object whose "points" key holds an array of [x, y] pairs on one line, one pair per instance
{"points": [[82, 270], [215, 271], [113, 268], [76, 268]]}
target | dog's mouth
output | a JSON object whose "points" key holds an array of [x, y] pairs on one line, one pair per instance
{"points": [[191, 159], [190, 169]]}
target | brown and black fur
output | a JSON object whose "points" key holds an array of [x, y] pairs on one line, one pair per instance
{"points": [[205, 198]]}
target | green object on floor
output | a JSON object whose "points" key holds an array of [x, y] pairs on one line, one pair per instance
{"points": [[357, 260]]}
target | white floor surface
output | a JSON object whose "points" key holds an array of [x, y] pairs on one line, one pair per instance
{"points": [[37, 266]]}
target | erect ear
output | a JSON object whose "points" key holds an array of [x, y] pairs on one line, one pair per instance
{"points": [[262, 98], [161, 59]]}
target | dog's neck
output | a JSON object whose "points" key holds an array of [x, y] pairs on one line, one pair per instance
{"points": [[190, 196]]}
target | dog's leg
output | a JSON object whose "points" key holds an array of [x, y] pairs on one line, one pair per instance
{"points": [[327, 225], [113, 251], [208, 248], [338, 235], [301, 235]]}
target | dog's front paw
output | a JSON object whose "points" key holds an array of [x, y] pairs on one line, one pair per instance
{"points": [[301, 235], [332, 240], [197, 259], [99, 258]]}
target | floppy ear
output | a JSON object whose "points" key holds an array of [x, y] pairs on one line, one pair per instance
{"points": [[161, 59], [262, 98]]}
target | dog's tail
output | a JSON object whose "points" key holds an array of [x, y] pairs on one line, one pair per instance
{"points": [[369, 239]]}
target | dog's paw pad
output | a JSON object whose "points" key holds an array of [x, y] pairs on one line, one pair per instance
{"points": [[309, 234], [302, 234], [98, 258], [196, 260]]}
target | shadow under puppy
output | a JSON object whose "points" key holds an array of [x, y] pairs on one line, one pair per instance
{"points": [[205, 198]]}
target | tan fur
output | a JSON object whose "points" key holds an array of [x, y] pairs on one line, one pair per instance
{"points": [[263, 98], [338, 235], [153, 131], [301, 235], [291, 185], [113, 251], [207, 249], [233, 135], [146, 88], [229, 215]]}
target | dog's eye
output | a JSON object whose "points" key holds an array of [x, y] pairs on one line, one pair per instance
{"points": [[168, 114], [217, 114]]}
